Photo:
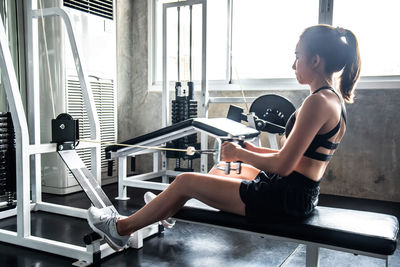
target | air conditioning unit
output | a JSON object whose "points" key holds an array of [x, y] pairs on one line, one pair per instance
{"points": [[94, 29]]}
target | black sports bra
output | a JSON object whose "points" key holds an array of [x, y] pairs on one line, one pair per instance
{"points": [[320, 140]]}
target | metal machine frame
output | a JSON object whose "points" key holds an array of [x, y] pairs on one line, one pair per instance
{"points": [[203, 83], [29, 147], [139, 180]]}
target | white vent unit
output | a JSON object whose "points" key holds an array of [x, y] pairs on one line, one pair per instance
{"points": [[102, 8], [104, 98]]}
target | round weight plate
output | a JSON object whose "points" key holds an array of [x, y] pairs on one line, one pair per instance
{"points": [[64, 116], [273, 108]]}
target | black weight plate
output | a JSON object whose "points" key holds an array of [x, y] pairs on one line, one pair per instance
{"points": [[273, 108], [64, 116], [3, 147]]}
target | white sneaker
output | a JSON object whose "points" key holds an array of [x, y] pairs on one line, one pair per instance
{"points": [[168, 223], [103, 221]]}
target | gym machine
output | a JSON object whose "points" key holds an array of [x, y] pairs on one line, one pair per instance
{"points": [[184, 106], [28, 149]]}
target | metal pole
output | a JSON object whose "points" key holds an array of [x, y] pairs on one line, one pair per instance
{"points": [[190, 41], [21, 136], [204, 88], [179, 44], [33, 96]]}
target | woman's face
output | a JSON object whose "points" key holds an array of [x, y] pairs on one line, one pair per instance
{"points": [[302, 65]]}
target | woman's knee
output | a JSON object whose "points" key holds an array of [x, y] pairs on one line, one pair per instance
{"points": [[183, 182], [183, 179]]}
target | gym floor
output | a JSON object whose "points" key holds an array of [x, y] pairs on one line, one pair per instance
{"points": [[185, 244]]}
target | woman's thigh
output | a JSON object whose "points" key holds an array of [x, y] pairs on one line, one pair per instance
{"points": [[216, 191]]}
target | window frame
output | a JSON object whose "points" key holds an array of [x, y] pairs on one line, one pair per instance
{"points": [[325, 16]]}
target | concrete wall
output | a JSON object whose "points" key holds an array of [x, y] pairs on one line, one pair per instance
{"points": [[365, 165]]}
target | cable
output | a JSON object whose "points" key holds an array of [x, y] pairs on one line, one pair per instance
{"points": [[241, 89], [190, 44], [189, 151], [179, 43]]}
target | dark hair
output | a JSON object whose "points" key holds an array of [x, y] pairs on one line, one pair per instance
{"points": [[339, 48]]}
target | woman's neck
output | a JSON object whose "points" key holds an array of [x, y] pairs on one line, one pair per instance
{"points": [[320, 82]]}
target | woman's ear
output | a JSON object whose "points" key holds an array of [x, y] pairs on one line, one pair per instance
{"points": [[315, 61]]}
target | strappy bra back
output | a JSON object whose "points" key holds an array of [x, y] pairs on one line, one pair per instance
{"points": [[320, 140]]}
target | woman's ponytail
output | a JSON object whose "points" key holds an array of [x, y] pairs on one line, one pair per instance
{"points": [[351, 70]]}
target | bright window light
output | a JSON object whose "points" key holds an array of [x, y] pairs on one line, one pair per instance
{"points": [[376, 25], [216, 36], [265, 34]]}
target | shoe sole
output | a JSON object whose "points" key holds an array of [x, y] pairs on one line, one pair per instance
{"points": [[105, 237]]}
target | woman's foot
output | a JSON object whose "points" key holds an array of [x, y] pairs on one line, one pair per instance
{"points": [[168, 223], [104, 222]]}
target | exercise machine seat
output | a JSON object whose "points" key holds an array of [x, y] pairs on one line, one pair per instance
{"points": [[351, 229]]}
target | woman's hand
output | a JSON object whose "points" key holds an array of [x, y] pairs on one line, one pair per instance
{"points": [[230, 151]]}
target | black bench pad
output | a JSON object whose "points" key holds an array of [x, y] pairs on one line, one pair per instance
{"points": [[215, 126], [351, 229]]}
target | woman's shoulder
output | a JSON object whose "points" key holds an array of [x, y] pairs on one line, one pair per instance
{"points": [[316, 101], [318, 107]]}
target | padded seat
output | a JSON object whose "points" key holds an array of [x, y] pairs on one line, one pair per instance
{"points": [[355, 230]]}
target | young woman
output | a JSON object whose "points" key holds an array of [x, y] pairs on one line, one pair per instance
{"points": [[273, 182]]}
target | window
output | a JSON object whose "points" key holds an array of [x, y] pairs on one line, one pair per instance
{"points": [[265, 34], [255, 40], [216, 35], [376, 25]]}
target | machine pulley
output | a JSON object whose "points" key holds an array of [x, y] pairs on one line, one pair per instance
{"points": [[270, 113], [65, 131]]}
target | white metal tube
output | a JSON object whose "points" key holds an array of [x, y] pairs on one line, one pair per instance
{"points": [[62, 210], [122, 173], [165, 91], [21, 135], [33, 95]]}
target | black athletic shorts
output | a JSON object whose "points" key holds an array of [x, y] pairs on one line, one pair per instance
{"points": [[271, 195]]}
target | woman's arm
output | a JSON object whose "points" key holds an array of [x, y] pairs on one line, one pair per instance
{"points": [[257, 149], [313, 114]]}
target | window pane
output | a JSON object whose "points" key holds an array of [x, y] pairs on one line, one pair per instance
{"points": [[217, 34], [265, 34], [376, 25], [216, 38]]}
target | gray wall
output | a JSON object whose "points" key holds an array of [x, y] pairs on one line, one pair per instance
{"points": [[365, 165]]}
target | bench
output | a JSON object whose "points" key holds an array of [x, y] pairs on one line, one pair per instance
{"points": [[359, 232]]}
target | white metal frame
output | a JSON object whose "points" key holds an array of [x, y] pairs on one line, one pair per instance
{"points": [[29, 148], [140, 181], [203, 83]]}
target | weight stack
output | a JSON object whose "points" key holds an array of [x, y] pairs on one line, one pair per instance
{"points": [[183, 108], [7, 157]]}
